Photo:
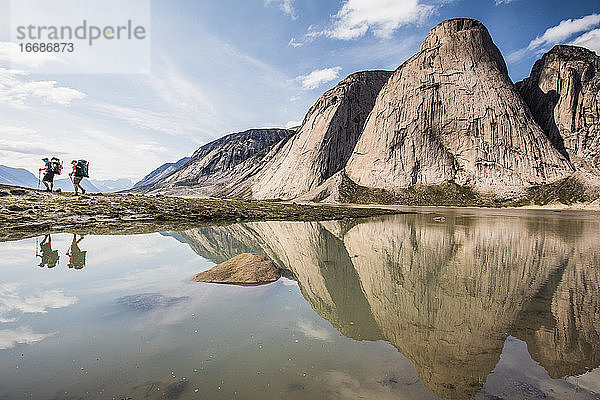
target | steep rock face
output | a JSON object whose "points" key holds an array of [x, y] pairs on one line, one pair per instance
{"points": [[563, 93], [325, 141], [216, 168], [160, 173], [452, 113]]}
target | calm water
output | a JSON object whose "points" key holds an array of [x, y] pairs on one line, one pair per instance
{"points": [[483, 305]]}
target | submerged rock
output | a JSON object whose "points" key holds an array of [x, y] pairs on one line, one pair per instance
{"points": [[243, 269], [149, 301]]}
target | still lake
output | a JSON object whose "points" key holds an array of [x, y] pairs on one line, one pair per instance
{"points": [[451, 304]]}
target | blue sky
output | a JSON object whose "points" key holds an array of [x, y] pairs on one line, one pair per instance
{"points": [[220, 66]]}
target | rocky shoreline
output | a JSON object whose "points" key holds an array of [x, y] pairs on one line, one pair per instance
{"points": [[27, 212]]}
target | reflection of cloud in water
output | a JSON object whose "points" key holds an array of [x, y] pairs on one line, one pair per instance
{"points": [[288, 282], [11, 302], [341, 385], [131, 280], [589, 381], [156, 309], [314, 332], [21, 335]]}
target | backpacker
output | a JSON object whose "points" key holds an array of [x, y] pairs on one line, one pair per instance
{"points": [[56, 166], [82, 168]]}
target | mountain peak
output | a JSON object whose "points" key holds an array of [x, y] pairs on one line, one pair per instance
{"points": [[447, 30], [463, 40], [571, 52], [562, 94]]}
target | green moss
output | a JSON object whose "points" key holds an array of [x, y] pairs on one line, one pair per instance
{"points": [[444, 194], [567, 191]]}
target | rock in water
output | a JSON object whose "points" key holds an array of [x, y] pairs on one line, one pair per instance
{"points": [[243, 269], [451, 112], [325, 141], [563, 93]]}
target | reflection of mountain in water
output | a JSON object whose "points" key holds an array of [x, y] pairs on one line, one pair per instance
{"points": [[446, 295]]}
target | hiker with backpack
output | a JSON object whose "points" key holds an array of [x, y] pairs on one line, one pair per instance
{"points": [[51, 167], [80, 171]]}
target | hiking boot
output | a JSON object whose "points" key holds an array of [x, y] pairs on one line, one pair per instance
{"points": [[82, 191]]}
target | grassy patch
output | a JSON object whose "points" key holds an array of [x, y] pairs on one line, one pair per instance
{"points": [[567, 191]]}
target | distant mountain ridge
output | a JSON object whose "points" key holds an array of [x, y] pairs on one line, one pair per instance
{"points": [[449, 115], [160, 172], [17, 177], [23, 177], [112, 185], [217, 168]]}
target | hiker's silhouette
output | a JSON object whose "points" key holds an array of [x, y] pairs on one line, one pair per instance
{"points": [[49, 257], [76, 256]]}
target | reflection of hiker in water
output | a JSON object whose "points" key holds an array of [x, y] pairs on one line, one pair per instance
{"points": [[76, 256], [49, 256]]}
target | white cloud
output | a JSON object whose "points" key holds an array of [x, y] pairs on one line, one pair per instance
{"points": [[565, 30], [22, 140], [498, 2], [142, 118], [382, 17], [286, 6], [318, 77], [293, 124], [16, 91], [11, 302], [12, 54], [20, 335], [295, 43], [590, 40], [559, 34]]}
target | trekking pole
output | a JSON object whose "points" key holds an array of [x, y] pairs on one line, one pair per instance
{"points": [[39, 178]]}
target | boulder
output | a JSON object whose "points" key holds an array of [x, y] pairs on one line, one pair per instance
{"points": [[243, 269]]}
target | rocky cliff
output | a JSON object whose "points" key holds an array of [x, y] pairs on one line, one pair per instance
{"points": [[563, 93], [216, 168], [452, 113], [160, 173], [325, 140]]}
